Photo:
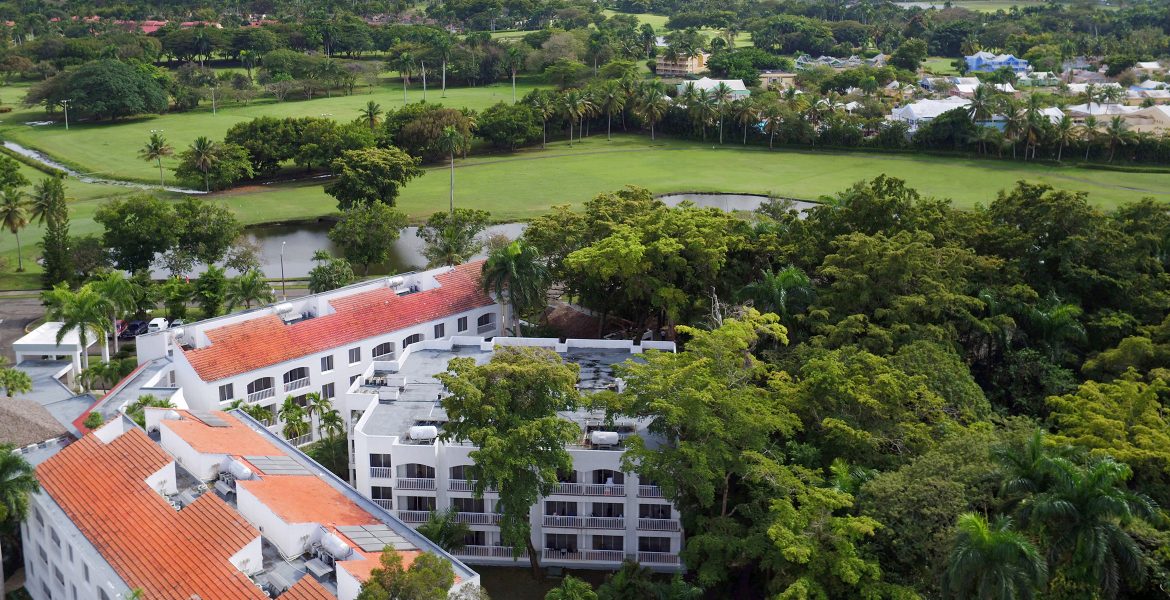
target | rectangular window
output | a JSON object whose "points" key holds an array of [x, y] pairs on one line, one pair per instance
{"points": [[565, 542], [608, 542], [462, 324], [560, 509], [468, 505], [380, 460], [380, 492], [56, 539], [654, 511], [419, 503], [653, 544], [226, 392], [327, 391], [609, 509], [440, 331], [353, 378], [475, 538], [355, 355], [326, 363], [85, 571]]}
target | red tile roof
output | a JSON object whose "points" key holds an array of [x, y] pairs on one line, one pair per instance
{"points": [[169, 554], [306, 499], [235, 439], [308, 589], [266, 341]]}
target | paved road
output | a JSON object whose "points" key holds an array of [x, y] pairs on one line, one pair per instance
{"points": [[16, 313]]}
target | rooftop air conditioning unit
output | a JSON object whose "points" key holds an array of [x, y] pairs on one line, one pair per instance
{"points": [[604, 438], [424, 432]]}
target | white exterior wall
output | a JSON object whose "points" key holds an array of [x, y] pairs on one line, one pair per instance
{"points": [[348, 587], [203, 466], [84, 574], [290, 538]]}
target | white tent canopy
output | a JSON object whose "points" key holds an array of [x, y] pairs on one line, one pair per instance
{"points": [[42, 341]]}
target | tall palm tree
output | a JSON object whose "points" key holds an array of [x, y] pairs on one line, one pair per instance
{"points": [[1084, 515], [404, 64], [992, 562], [155, 150], [1027, 468], [1063, 133], [371, 114], [610, 99], [782, 292], [1015, 122], [14, 218], [721, 95], [702, 110], [17, 481], [293, 417], [47, 196], [85, 311], [747, 113], [1118, 134], [332, 423], [317, 405], [545, 105], [451, 141], [119, 291], [1089, 133], [249, 287], [444, 528], [773, 122], [1056, 324], [576, 106], [983, 103], [653, 105], [205, 153], [516, 274], [513, 61], [985, 136]]}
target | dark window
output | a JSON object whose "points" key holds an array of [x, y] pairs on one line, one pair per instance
{"points": [[326, 364], [379, 460], [419, 502], [608, 542], [560, 509], [296, 374], [608, 509], [327, 391], [381, 492], [461, 325], [226, 392], [475, 538], [416, 471], [440, 331], [654, 511], [608, 476], [486, 319], [413, 339], [383, 350], [469, 505], [264, 383], [353, 378], [653, 544], [355, 355], [569, 477], [462, 472], [560, 541]]}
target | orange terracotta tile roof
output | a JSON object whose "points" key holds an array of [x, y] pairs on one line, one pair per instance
{"points": [[171, 555], [235, 439], [266, 341], [308, 589], [360, 567], [306, 499]]}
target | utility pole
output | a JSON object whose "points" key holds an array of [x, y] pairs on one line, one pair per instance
{"points": [[65, 103]]}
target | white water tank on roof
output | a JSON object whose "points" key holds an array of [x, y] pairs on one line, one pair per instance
{"points": [[424, 432], [604, 438], [239, 470], [334, 546], [283, 307], [396, 281]]}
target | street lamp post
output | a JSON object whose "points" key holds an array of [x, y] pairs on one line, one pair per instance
{"points": [[65, 103], [283, 289]]}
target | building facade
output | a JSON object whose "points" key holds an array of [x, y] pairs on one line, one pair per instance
{"points": [[681, 66], [986, 62], [598, 515]]}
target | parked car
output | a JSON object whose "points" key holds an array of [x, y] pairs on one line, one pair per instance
{"points": [[177, 323], [133, 330], [119, 327], [156, 324]]}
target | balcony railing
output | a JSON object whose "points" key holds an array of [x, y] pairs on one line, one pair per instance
{"points": [[462, 485], [554, 554], [414, 516], [604, 555], [485, 328], [657, 558], [381, 472], [488, 552], [572, 489], [261, 394], [416, 483], [384, 503], [269, 422], [474, 518], [558, 521], [604, 489], [658, 525], [585, 522], [296, 384], [649, 491], [302, 440]]}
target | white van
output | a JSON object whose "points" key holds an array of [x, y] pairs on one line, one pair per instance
{"points": [[157, 324]]}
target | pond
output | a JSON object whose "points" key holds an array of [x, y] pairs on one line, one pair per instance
{"points": [[301, 240]]}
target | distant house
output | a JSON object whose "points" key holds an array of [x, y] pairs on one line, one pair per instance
{"points": [[738, 89], [777, 80], [986, 62], [681, 66], [1155, 119], [1100, 111], [1083, 88], [805, 61], [1038, 79], [924, 111], [1151, 68]]}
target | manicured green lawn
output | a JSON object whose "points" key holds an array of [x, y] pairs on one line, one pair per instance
{"points": [[111, 149], [940, 65]]}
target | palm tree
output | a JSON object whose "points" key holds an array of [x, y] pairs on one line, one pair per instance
{"points": [[611, 100], [444, 528], [14, 381], [317, 405], [85, 311], [992, 562], [571, 588], [1015, 122], [545, 105], [515, 273], [1027, 468], [1089, 133], [702, 110], [14, 217], [746, 113], [782, 292], [155, 149], [451, 141], [120, 293], [404, 64], [293, 417], [1118, 134], [17, 481], [513, 61], [1063, 133], [205, 154], [632, 580], [773, 122], [262, 414], [249, 287], [371, 114], [576, 105], [985, 136], [47, 196], [332, 423], [653, 104], [249, 58], [721, 95], [1055, 324], [1084, 515], [983, 103]]}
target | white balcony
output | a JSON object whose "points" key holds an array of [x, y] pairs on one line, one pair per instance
{"points": [[261, 395], [486, 328], [603, 489], [384, 503], [302, 440], [416, 483], [472, 518], [557, 521], [554, 554], [649, 491], [657, 558], [414, 516], [585, 522], [382, 472], [615, 556], [658, 525], [488, 552], [569, 489], [296, 384], [462, 485]]}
